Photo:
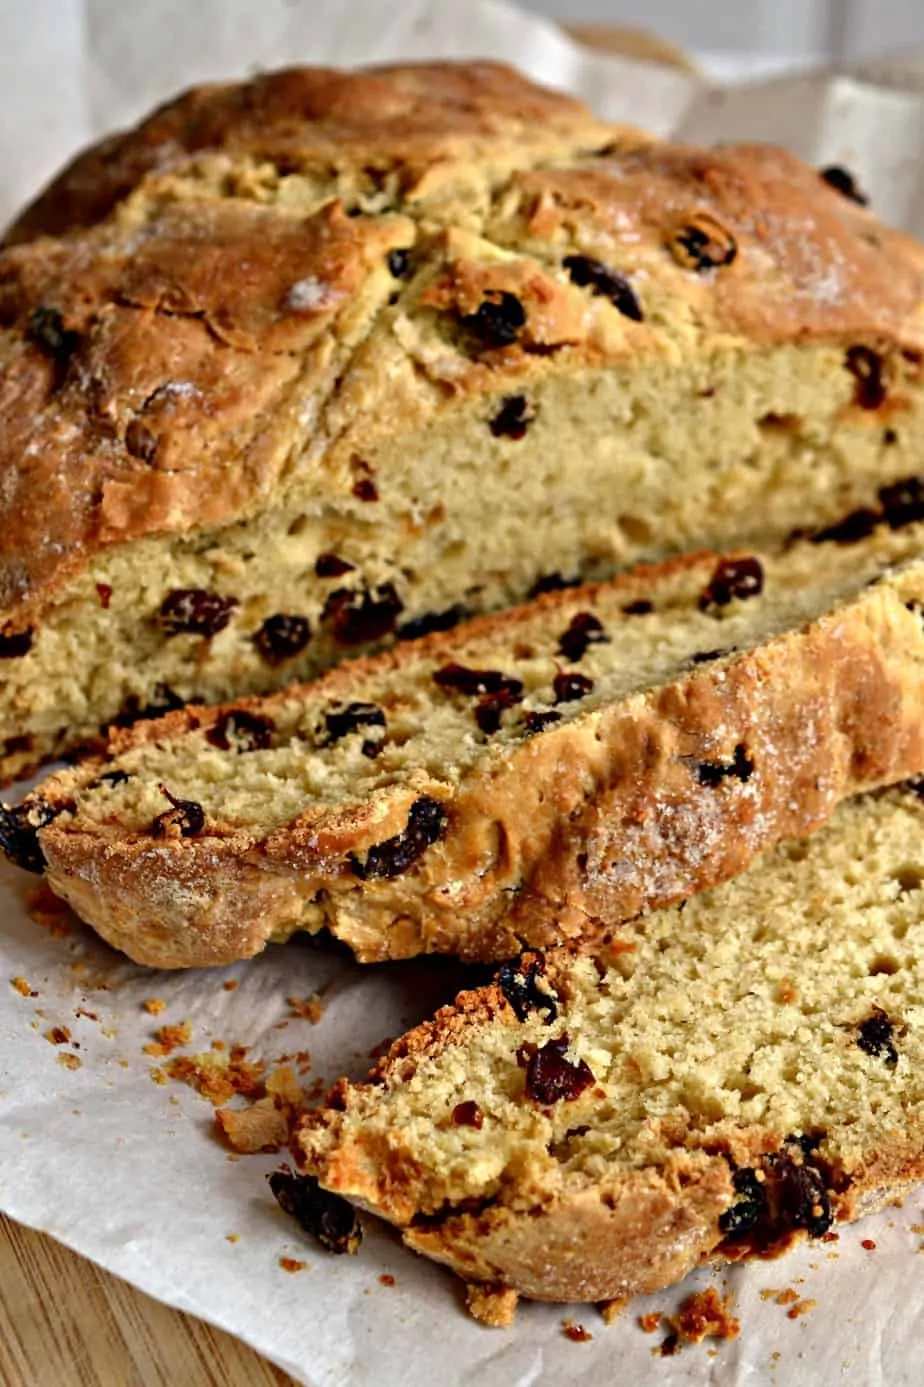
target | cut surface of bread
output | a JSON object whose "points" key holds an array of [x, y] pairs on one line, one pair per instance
{"points": [[739, 1070], [354, 353], [526, 779]]}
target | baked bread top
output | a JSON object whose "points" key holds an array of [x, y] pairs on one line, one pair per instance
{"points": [[307, 263]]}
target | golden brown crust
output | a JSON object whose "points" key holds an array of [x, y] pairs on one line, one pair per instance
{"points": [[564, 835]]}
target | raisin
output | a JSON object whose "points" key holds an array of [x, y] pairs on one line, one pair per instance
{"points": [[713, 773], [889, 437], [748, 1211], [492, 707], [513, 418], [903, 502], [432, 621], [15, 644], [876, 1037], [704, 657], [701, 243], [163, 700], [46, 329], [584, 630], [552, 582], [15, 746], [104, 593], [196, 612], [282, 637], [857, 525], [640, 607], [600, 279], [328, 1218], [570, 687], [342, 721], [19, 830], [427, 823], [499, 319], [241, 731], [551, 1078], [538, 722], [356, 617], [140, 441], [475, 681], [365, 489], [399, 262], [332, 566], [467, 1115], [113, 778], [734, 580], [186, 815], [803, 1200], [806, 1141], [522, 991], [844, 182], [865, 366]]}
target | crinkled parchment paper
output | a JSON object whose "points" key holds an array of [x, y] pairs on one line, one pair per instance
{"points": [[127, 1170]]}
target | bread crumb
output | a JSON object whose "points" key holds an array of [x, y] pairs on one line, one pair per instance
{"points": [[650, 1324], [917, 1227], [154, 1006], [575, 1332], [386, 1279], [292, 1264], [67, 1060], [57, 1035], [307, 1008], [262, 1127], [801, 1307], [868, 1244], [217, 1077], [169, 1038], [283, 1084], [232, 1237], [612, 1309], [495, 1306], [22, 987], [705, 1315], [230, 985]]}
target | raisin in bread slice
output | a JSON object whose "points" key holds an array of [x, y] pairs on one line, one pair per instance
{"points": [[528, 778], [352, 353], [739, 1070]]}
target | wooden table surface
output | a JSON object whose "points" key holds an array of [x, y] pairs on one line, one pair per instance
{"points": [[66, 1323]]}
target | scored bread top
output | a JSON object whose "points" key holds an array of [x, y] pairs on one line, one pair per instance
{"points": [[225, 331]]}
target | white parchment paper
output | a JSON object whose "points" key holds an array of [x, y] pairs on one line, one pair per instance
{"points": [[128, 1171]]}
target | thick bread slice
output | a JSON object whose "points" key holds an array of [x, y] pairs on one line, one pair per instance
{"points": [[527, 779], [742, 1069], [354, 353]]}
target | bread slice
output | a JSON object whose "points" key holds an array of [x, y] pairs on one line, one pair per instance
{"points": [[742, 1069], [526, 779], [355, 353]]}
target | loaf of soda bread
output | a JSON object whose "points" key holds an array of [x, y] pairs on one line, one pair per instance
{"points": [[739, 1071], [526, 779], [324, 358]]}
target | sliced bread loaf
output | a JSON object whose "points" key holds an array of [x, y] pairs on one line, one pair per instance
{"points": [[527, 779], [355, 352], [740, 1070]]}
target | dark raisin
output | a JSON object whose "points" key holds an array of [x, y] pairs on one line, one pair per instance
{"points": [[570, 687], [876, 1037], [341, 721], [701, 243], [163, 700], [282, 637], [196, 612], [865, 366], [584, 630], [889, 437], [538, 722], [19, 830], [551, 1078], [241, 731], [432, 621], [427, 823], [803, 1200], [593, 274], [356, 617], [520, 986], [670, 1345], [140, 441], [467, 1115], [734, 580], [499, 319], [332, 566], [857, 525], [491, 708], [15, 644], [744, 1215], [552, 582], [104, 593], [113, 778], [903, 502], [186, 815], [46, 329], [475, 681], [365, 489], [513, 418], [640, 607], [327, 1217], [399, 262], [713, 773], [704, 657], [843, 181], [807, 1142], [15, 746]]}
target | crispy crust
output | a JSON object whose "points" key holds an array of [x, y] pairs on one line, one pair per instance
{"points": [[564, 835]]}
